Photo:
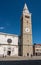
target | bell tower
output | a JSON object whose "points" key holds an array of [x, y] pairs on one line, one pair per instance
{"points": [[26, 32]]}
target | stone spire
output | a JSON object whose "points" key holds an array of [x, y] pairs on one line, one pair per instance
{"points": [[25, 9]]}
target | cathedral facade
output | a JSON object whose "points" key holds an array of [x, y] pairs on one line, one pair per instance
{"points": [[8, 44], [13, 45]]}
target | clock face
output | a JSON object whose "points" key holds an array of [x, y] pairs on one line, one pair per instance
{"points": [[27, 30]]}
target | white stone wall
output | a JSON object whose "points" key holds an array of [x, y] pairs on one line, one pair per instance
{"points": [[4, 50], [3, 39], [13, 45]]}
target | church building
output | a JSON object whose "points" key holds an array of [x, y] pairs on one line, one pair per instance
{"points": [[8, 44], [14, 45]]}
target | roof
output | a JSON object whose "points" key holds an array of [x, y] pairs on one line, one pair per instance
{"points": [[37, 44], [8, 34], [25, 8]]}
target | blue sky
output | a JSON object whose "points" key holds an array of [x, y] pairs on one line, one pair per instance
{"points": [[10, 13]]}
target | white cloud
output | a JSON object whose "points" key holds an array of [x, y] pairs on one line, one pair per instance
{"points": [[1, 28]]}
